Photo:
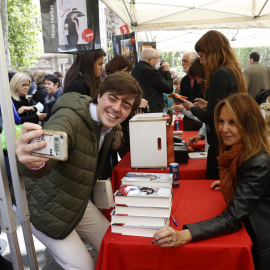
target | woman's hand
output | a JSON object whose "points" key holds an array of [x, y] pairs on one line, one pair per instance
{"points": [[194, 140], [168, 237], [143, 103], [41, 116], [75, 22], [201, 103], [24, 148], [186, 104], [215, 185], [25, 108], [178, 107], [138, 111]]}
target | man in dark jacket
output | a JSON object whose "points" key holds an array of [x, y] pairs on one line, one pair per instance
{"points": [[58, 192], [151, 81], [191, 89]]}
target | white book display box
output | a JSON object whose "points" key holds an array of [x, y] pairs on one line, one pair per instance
{"points": [[148, 142]]}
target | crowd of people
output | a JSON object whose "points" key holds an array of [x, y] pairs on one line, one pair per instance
{"points": [[94, 112]]}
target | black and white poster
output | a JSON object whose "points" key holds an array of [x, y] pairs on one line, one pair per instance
{"points": [[125, 45], [70, 25]]}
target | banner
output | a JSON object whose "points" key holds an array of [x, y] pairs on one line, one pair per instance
{"points": [[125, 45], [70, 25]]}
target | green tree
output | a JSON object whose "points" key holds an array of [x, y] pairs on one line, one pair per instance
{"points": [[24, 28], [4, 21], [242, 55], [174, 60]]}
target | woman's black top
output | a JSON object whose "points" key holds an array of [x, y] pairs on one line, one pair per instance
{"points": [[28, 116]]}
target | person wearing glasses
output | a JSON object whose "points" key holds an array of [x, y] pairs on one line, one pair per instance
{"points": [[191, 89], [151, 81], [24, 104]]}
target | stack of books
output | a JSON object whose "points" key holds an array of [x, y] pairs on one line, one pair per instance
{"points": [[142, 204]]}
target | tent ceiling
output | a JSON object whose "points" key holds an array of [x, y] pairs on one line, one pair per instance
{"points": [[185, 40], [184, 22]]}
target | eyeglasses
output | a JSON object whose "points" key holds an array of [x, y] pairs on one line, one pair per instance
{"points": [[185, 60], [155, 57], [25, 85]]}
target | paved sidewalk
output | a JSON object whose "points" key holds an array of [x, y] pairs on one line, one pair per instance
{"points": [[45, 260]]}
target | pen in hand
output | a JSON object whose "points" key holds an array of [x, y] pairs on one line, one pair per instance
{"points": [[154, 242], [174, 221]]}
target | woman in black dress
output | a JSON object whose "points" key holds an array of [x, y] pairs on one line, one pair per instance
{"points": [[72, 26]]}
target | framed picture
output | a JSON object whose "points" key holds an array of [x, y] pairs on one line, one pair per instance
{"points": [[69, 26], [125, 45]]}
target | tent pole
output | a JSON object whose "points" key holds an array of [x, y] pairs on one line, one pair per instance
{"points": [[18, 183], [259, 14], [127, 12], [8, 219]]}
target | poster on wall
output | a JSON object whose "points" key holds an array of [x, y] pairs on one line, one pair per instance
{"points": [[70, 25], [143, 45], [125, 45]]}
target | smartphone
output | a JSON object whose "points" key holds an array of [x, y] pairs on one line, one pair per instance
{"points": [[56, 145], [176, 98]]}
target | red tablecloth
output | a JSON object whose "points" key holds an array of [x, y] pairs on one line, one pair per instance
{"points": [[194, 169], [192, 202], [188, 134]]}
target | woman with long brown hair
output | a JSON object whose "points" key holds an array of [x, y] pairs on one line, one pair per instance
{"points": [[223, 76], [84, 74], [244, 165]]}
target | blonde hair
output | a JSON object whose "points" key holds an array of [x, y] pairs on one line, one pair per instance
{"points": [[247, 116], [16, 82], [40, 78]]}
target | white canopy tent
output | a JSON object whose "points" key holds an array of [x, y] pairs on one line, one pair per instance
{"points": [[176, 24]]}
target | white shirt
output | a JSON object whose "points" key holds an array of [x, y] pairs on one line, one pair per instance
{"points": [[93, 113]]}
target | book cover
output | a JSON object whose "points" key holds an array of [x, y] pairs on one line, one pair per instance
{"points": [[197, 155], [139, 220], [143, 196], [146, 231], [142, 211], [148, 179]]}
